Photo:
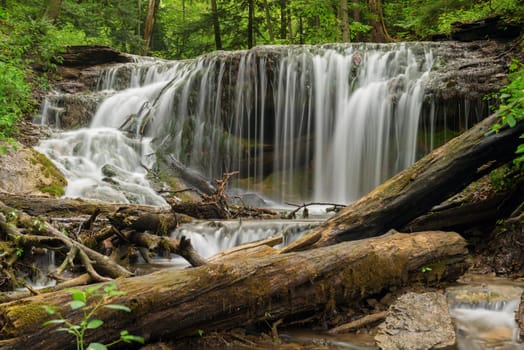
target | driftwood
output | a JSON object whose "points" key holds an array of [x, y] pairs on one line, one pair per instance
{"points": [[67, 207], [190, 176], [359, 323], [176, 303], [417, 189]]}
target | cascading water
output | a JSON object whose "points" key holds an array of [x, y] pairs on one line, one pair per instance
{"points": [[324, 123]]}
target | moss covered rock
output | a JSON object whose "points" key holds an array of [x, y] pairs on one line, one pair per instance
{"points": [[28, 172]]}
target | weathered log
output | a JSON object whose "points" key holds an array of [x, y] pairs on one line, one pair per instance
{"points": [[181, 247], [192, 177], [417, 189], [136, 219], [67, 207], [172, 303], [84, 56]]}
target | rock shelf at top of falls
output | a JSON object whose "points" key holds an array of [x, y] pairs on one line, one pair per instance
{"points": [[296, 121]]}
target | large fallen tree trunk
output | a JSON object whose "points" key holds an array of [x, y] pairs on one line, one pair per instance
{"points": [[417, 189], [67, 207], [177, 303]]}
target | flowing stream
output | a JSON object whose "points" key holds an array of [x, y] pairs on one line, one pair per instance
{"points": [[323, 123]]}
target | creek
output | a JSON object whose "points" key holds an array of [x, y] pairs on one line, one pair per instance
{"points": [[319, 123]]}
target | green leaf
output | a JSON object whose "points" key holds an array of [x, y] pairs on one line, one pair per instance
{"points": [[511, 120], [79, 295], [128, 338], [77, 304], [96, 346], [64, 329], [49, 309], [92, 289], [116, 292], [118, 307], [110, 287], [94, 324], [50, 322]]}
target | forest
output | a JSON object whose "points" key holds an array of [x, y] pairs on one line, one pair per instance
{"points": [[34, 32], [138, 136]]}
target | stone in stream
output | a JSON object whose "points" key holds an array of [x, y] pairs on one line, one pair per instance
{"points": [[417, 321]]}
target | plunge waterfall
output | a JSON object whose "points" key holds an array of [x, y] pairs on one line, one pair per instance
{"points": [[323, 123]]}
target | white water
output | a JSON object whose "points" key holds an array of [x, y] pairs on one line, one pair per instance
{"points": [[487, 326], [300, 123], [209, 238], [103, 164]]}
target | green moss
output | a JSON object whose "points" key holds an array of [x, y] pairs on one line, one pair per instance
{"points": [[368, 275], [295, 185], [49, 170], [28, 315], [54, 190]]}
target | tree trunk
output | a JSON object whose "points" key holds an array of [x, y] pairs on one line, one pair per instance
{"points": [[357, 18], [216, 25], [343, 19], [250, 23], [66, 207], [149, 24], [268, 22], [420, 187], [283, 17], [53, 9], [176, 303], [379, 32]]}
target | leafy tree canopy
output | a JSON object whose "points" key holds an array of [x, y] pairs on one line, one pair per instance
{"points": [[33, 32]]}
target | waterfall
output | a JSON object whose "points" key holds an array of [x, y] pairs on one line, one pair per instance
{"points": [[324, 123]]}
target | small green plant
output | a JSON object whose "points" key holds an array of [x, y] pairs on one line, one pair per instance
{"points": [[19, 251], [81, 299], [201, 332], [38, 225], [426, 269], [511, 108]]}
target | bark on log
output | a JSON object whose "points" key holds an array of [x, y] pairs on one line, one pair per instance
{"points": [[177, 303], [85, 56], [417, 189], [67, 207]]}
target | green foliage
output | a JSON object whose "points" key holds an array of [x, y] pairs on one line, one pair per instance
{"points": [[420, 19], [81, 300], [511, 109], [24, 43]]}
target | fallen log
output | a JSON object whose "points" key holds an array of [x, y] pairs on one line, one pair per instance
{"points": [[417, 189], [172, 303], [68, 207]]}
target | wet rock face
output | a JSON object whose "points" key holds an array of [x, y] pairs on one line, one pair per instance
{"points": [[417, 321], [468, 71]]}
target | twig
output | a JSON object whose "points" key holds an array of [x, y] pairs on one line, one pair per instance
{"points": [[291, 215], [359, 323]]}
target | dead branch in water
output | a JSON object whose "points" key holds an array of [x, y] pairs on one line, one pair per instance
{"points": [[335, 208]]}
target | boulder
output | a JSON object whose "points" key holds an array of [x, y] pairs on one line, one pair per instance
{"points": [[417, 321], [28, 172]]}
